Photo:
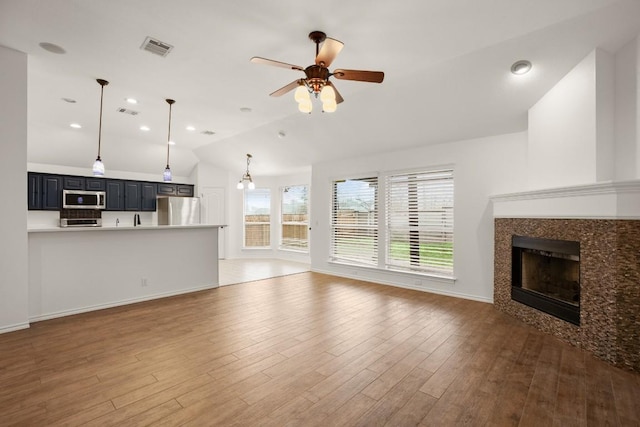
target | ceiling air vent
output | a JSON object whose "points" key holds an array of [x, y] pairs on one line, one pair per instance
{"points": [[128, 111], [156, 46]]}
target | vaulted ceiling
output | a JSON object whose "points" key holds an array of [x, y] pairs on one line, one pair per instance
{"points": [[446, 65]]}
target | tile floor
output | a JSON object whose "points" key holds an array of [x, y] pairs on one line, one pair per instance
{"points": [[234, 271]]}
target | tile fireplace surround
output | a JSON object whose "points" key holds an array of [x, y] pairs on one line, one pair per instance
{"points": [[605, 219]]}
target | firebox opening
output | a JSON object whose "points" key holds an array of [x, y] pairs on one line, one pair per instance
{"points": [[546, 276]]}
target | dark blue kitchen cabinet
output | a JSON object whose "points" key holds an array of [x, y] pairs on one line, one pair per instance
{"points": [[51, 192], [73, 182], [95, 184], [184, 190], [34, 185], [132, 196], [149, 200], [166, 189], [115, 195]]}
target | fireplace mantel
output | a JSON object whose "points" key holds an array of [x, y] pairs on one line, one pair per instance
{"points": [[605, 200]]}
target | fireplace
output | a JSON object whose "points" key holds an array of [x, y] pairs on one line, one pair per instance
{"points": [[546, 276]]}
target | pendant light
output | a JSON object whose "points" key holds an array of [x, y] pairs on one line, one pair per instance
{"points": [[166, 176], [246, 177], [98, 166]]}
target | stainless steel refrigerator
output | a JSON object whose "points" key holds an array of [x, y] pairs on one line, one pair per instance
{"points": [[178, 210]]}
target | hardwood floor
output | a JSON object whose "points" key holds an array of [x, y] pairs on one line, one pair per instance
{"points": [[305, 350]]}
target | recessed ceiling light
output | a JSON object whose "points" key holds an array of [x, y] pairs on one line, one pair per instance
{"points": [[281, 134], [521, 67], [145, 128], [172, 143], [75, 125], [131, 100], [69, 100], [245, 109], [191, 128], [208, 132], [53, 48]]}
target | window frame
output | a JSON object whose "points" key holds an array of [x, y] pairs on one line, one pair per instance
{"points": [[344, 233], [442, 260], [244, 218], [283, 223]]}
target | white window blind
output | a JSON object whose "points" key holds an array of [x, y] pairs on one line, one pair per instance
{"points": [[354, 221], [257, 218], [295, 218], [419, 221]]}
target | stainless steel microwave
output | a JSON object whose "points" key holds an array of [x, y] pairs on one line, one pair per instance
{"points": [[77, 199]]}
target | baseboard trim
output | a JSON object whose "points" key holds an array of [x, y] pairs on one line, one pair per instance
{"points": [[96, 307], [405, 286], [15, 327]]}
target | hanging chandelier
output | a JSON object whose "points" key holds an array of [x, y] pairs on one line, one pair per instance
{"points": [[166, 175], [246, 177], [98, 166]]}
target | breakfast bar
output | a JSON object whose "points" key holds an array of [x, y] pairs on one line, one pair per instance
{"points": [[74, 270]]}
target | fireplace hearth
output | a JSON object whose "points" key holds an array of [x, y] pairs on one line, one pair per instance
{"points": [[546, 276]]}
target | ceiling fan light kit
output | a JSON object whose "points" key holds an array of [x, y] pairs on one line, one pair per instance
{"points": [[317, 76]]}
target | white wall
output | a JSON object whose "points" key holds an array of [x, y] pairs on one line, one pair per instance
{"points": [[626, 111], [571, 139], [482, 167], [13, 172]]}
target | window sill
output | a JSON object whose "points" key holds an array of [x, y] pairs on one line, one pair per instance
{"points": [[297, 251], [429, 276]]}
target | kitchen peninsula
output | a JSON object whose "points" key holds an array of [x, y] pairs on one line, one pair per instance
{"points": [[74, 270]]}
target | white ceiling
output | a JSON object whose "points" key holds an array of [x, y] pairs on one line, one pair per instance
{"points": [[446, 65]]}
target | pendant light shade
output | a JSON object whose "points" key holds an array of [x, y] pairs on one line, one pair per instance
{"points": [[166, 175], [98, 166]]}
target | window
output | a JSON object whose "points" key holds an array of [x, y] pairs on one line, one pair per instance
{"points": [[354, 221], [295, 218], [419, 221], [257, 218]]}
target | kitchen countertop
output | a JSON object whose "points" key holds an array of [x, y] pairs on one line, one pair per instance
{"points": [[123, 228]]}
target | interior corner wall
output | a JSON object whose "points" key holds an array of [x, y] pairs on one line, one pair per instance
{"points": [[14, 311], [562, 147], [627, 114], [605, 122], [482, 167]]}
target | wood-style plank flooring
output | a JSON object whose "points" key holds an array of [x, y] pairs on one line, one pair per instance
{"points": [[305, 350]]}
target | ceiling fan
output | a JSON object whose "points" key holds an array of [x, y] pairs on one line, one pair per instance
{"points": [[316, 80]]}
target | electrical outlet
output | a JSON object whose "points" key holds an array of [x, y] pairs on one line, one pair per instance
{"points": [[144, 282]]}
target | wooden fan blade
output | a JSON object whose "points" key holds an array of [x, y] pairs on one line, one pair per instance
{"points": [[291, 86], [359, 75], [328, 52], [339, 97], [265, 61]]}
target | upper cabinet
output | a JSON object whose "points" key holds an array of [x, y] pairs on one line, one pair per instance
{"points": [[45, 191], [51, 192], [115, 195], [149, 199]]}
